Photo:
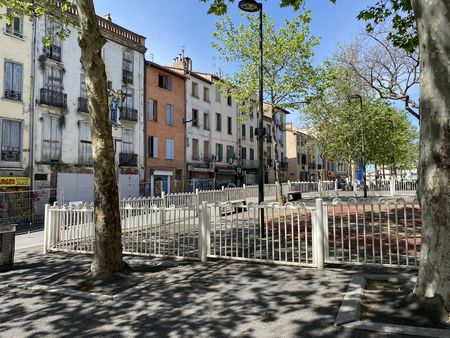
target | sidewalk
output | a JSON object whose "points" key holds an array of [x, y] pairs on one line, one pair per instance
{"points": [[216, 299]]}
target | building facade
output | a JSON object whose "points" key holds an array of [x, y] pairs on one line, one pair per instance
{"points": [[198, 124], [279, 123], [62, 137], [165, 130], [15, 74]]}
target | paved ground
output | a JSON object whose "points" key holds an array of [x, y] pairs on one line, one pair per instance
{"points": [[216, 299]]}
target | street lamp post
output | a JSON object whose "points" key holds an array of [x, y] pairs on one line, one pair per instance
{"points": [[363, 159], [252, 6]]}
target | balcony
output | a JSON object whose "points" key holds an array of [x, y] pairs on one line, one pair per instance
{"points": [[128, 160], [83, 105], [53, 52], [249, 164], [53, 98], [195, 157], [13, 95], [128, 114], [127, 76]]}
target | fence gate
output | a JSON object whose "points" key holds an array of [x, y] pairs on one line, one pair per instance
{"points": [[284, 238]]}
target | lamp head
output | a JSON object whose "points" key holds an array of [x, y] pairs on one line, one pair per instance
{"points": [[249, 6]]}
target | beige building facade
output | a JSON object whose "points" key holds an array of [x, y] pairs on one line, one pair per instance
{"points": [[15, 82]]}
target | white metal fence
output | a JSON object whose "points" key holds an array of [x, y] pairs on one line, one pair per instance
{"points": [[385, 232]]}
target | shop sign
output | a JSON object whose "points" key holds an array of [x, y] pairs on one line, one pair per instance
{"points": [[14, 181]]}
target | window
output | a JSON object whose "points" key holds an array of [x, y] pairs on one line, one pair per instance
{"points": [[15, 27], [230, 152], [217, 93], [51, 139], [152, 147], [218, 122], [128, 101], [244, 132], [169, 149], [206, 94], [269, 153], [298, 158], [229, 125], [83, 90], [244, 153], [127, 66], [170, 117], [127, 141], [219, 152], [12, 81], [206, 121], [194, 91], [52, 29], [11, 146], [252, 154], [194, 117], [251, 133], [85, 150], [152, 110], [53, 79], [195, 156], [165, 82], [205, 150], [229, 100]]}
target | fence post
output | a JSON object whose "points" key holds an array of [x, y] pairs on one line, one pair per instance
{"points": [[46, 228], [204, 233], [392, 187], [319, 188], [163, 197], [336, 187], [198, 198], [318, 235]]}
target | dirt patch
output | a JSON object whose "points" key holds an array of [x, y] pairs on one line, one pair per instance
{"points": [[390, 302]]}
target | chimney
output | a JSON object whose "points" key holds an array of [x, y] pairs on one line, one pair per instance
{"points": [[183, 62], [107, 17]]}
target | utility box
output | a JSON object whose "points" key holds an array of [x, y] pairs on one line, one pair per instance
{"points": [[7, 245]]}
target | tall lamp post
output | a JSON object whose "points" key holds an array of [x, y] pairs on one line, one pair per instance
{"points": [[363, 157], [251, 6]]}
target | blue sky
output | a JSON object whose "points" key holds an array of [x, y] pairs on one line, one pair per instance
{"points": [[170, 25]]}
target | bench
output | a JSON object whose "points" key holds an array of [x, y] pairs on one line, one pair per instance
{"points": [[294, 195], [234, 209]]}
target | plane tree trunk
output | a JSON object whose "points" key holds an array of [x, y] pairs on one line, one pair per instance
{"points": [[108, 245], [433, 24]]}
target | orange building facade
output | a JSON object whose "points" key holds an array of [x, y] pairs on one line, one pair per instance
{"points": [[164, 130]]}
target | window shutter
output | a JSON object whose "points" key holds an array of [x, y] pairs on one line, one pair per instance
{"points": [[8, 76], [169, 83], [155, 147]]}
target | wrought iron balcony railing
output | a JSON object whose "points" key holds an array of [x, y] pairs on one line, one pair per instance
{"points": [[128, 114], [53, 98], [127, 76], [13, 95], [83, 104], [53, 52], [128, 160]]}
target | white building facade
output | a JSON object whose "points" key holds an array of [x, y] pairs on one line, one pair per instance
{"points": [[62, 138]]}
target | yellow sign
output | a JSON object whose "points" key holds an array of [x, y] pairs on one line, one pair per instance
{"points": [[14, 181]]}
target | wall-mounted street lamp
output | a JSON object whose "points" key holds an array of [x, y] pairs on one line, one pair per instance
{"points": [[363, 157]]}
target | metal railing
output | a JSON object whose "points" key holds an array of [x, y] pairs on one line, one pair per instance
{"points": [[386, 232], [83, 104], [382, 233], [53, 98], [13, 95], [128, 114], [128, 160], [53, 52], [127, 76]]}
